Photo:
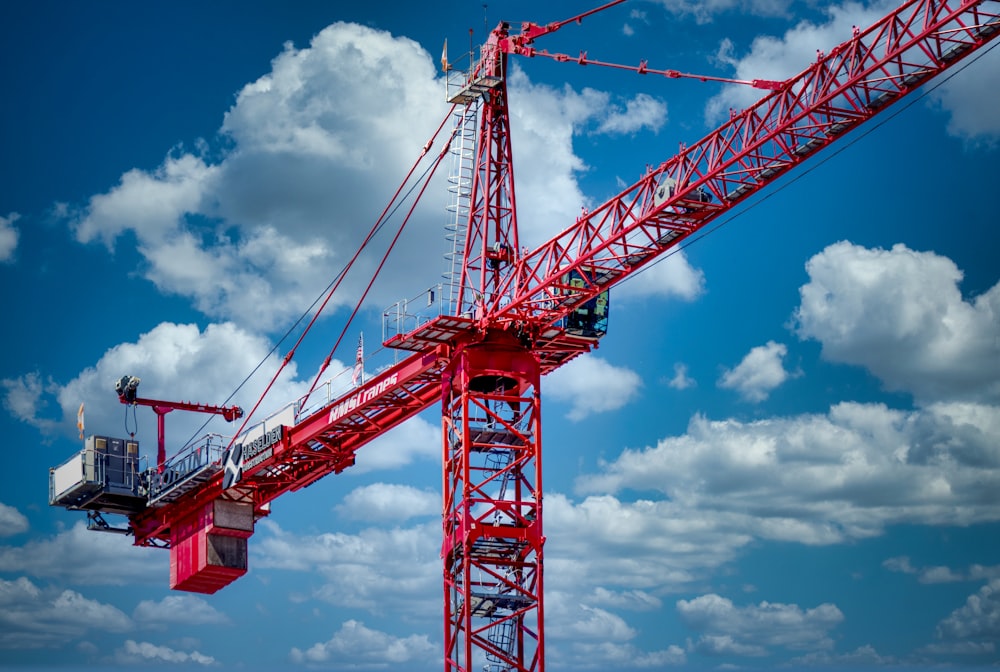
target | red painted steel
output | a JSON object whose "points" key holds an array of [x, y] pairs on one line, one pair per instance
{"points": [[492, 514], [516, 299]]}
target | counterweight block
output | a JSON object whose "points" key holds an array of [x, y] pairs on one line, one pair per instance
{"points": [[208, 549]]}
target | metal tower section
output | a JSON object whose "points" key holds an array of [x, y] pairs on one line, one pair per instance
{"points": [[491, 417], [460, 190], [492, 513], [491, 241]]}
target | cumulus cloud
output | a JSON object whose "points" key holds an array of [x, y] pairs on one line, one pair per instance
{"points": [[899, 313], [133, 652], [671, 277], [979, 617], [368, 570], [174, 361], [154, 204], [8, 236], [592, 385], [387, 502], [705, 12], [580, 636], [966, 101], [642, 112], [174, 609], [81, 557], [414, 440], [12, 521], [681, 380], [825, 478], [34, 617], [760, 372], [303, 140], [940, 573], [962, 96], [778, 58], [544, 120], [645, 545], [24, 398], [755, 629], [357, 645]]}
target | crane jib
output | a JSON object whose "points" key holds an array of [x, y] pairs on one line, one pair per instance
{"points": [[362, 397]]}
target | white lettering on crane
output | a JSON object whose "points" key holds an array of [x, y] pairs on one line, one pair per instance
{"points": [[362, 397]]}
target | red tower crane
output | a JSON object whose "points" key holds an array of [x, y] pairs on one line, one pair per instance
{"points": [[515, 315]]}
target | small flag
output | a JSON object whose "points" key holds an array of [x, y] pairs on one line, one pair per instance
{"points": [[79, 420], [359, 362], [444, 56]]}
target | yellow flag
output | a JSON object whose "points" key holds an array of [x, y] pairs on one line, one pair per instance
{"points": [[79, 420]]}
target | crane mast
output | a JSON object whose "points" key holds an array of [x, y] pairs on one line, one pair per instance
{"points": [[519, 315]]}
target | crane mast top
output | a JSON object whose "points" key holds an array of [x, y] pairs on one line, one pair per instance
{"points": [[552, 300]]}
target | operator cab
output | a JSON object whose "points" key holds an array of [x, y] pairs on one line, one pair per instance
{"points": [[590, 318]]}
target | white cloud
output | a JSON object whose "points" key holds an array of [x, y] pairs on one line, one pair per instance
{"points": [[900, 314], [250, 230], [977, 619], [580, 636], [387, 502], [82, 557], [177, 609], [962, 96], [861, 657], [253, 228], [174, 361], [133, 652], [968, 102], [12, 521], [575, 622], [592, 385], [727, 629], [375, 569], [185, 363], [778, 58], [416, 439], [648, 546], [643, 111], [704, 12], [357, 645], [543, 123], [32, 617], [824, 478], [23, 399], [152, 204], [937, 574], [681, 380], [634, 600], [760, 372], [8, 236], [670, 277]]}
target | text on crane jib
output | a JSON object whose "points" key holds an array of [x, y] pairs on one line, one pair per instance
{"points": [[362, 397], [261, 448]]}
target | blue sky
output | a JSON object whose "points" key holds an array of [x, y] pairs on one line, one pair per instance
{"points": [[786, 452]]}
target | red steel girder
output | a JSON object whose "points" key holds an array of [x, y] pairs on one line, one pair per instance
{"points": [[322, 443], [855, 81], [492, 512]]}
